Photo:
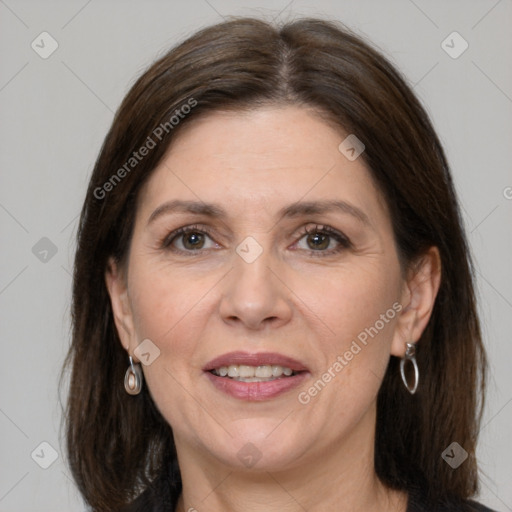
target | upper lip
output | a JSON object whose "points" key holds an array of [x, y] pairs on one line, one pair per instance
{"points": [[255, 359]]}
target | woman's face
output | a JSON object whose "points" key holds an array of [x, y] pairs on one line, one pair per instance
{"points": [[247, 284]]}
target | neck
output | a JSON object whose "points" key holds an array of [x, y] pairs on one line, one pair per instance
{"points": [[341, 479]]}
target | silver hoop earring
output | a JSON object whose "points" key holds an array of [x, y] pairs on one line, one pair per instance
{"points": [[133, 378], [410, 355]]}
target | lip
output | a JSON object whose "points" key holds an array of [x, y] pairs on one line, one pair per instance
{"points": [[256, 391], [255, 359]]}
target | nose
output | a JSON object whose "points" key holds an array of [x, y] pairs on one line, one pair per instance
{"points": [[255, 294]]}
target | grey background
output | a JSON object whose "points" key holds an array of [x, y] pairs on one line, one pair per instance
{"points": [[55, 113]]}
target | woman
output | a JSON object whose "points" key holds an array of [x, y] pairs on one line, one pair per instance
{"points": [[273, 305]]}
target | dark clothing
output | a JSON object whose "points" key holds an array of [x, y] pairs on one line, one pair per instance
{"points": [[163, 497], [418, 503]]}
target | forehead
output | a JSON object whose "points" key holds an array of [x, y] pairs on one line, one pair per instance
{"points": [[260, 160]]}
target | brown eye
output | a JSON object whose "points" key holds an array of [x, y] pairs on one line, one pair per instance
{"points": [[188, 240], [318, 241], [192, 240], [319, 238]]}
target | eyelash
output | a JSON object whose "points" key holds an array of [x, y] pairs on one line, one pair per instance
{"points": [[342, 240]]}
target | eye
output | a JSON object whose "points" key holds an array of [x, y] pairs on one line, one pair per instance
{"points": [[187, 239], [321, 239]]}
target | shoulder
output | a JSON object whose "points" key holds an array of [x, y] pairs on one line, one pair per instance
{"points": [[163, 495], [418, 502], [480, 508]]}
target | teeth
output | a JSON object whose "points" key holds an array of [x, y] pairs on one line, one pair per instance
{"points": [[245, 371], [263, 371], [248, 373], [277, 370], [233, 371]]}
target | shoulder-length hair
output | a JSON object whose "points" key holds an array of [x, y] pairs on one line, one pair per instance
{"points": [[118, 444]]}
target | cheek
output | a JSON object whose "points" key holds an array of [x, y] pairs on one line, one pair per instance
{"points": [[167, 310], [357, 311], [361, 313], [163, 298], [350, 301]]}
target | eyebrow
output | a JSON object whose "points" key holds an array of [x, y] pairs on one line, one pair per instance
{"points": [[297, 209]]}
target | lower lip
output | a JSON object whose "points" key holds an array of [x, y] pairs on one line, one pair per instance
{"points": [[256, 391]]}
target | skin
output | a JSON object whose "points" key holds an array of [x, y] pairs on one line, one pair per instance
{"points": [[198, 305]]}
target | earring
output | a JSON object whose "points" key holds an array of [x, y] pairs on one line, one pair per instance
{"points": [[410, 355], [133, 378]]}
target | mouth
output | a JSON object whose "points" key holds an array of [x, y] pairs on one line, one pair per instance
{"points": [[255, 377], [246, 373]]}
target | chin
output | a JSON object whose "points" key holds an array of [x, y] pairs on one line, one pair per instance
{"points": [[258, 445]]}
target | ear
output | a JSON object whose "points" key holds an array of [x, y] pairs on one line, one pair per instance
{"points": [[417, 300], [117, 287]]}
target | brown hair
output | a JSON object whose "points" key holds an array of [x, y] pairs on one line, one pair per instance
{"points": [[118, 444]]}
